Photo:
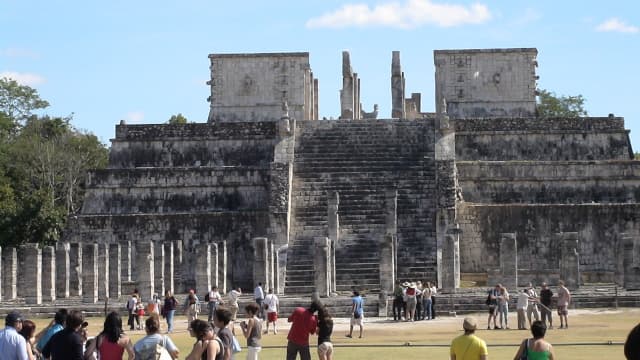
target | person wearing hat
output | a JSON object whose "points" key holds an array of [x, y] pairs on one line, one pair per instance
{"points": [[68, 343], [13, 346], [412, 294], [468, 346]]}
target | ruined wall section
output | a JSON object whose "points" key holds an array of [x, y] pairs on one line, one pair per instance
{"points": [[253, 87], [599, 228], [486, 82], [507, 139]]}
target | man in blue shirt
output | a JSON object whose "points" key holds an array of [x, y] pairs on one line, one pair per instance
{"points": [[13, 346], [57, 325], [357, 314]]}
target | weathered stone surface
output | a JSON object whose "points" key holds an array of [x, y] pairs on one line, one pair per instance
{"points": [[145, 276], [321, 261], [63, 269], [30, 284], [115, 271], [10, 273], [260, 263], [48, 274], [90, 273]]}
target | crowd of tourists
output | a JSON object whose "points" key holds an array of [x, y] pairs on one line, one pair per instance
{"points": [[413, 301]]}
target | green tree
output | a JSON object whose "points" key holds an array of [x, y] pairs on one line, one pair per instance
{"points": [[17, 102], [177, 119], [551, 105]]}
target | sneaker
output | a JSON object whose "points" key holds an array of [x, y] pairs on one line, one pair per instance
{"points": [[349, 336]]}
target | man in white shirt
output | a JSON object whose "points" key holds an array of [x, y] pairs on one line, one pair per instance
{"points": [[272, 304], [13, 346], [523, 303], [233, 302], [258, 295], [214, 300]]}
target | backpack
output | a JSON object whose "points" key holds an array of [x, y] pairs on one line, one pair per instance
{"points": [[206, 297], [157, 352]]}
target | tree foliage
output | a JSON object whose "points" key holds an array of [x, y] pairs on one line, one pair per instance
{"points": [[43, 167], [551, 105], [177, 119]]}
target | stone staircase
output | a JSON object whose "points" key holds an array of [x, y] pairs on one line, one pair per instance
{"points": [[361, 160]]}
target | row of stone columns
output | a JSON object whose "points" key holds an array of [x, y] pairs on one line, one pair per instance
{"points": [[265, 263]]}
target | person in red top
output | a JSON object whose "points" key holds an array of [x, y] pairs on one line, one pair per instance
{"points": [[303, 324]]}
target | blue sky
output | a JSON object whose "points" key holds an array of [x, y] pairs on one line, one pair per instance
{"points": [[143, 61]]}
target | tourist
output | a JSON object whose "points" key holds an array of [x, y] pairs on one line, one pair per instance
{"points": [[132, 305], [468, 346], [208, 346], [191, 307], [139, 313], [492, 302], [252, 331], [564, 299], [537, 347], [28, 333], [411, 294], [57, 324], [67, 344], [112, 342], [426, 302], [532, 307], [154, 305], [545, 305], [272, 304], [325, 328], [169, 309], [632, 345], [13, 346], [214, 299], [357, 313], [418, 313], [434, 291], [221, 319], [398, 302], [147, 345], [233, 302], [521, 307], [258, 295], [303, 323], [503, 307]]}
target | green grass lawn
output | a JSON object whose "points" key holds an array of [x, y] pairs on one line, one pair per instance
{"points": [[429, 339]]}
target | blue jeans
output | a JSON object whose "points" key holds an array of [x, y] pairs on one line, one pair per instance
{"points": [[426, 308], [503, 310], [170, 314]]}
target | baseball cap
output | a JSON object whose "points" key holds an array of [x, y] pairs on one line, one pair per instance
{"points": [[12, 318]]}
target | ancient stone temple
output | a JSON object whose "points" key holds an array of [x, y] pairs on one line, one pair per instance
{"points": [[265, 191]]}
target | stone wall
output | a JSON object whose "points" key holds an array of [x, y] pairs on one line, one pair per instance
{"points": [[560, 182], [599, 227]]}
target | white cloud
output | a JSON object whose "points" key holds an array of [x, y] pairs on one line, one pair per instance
{"points": [[411, 14], [17, 53], [28, 79], [617, 25], [134, 117]]}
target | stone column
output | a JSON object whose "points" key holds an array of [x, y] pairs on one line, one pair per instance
{"points": [[30, 285], [1, 280], [260, 269], [178, 282], [63, 269], [103, 271], [222, 270], [356, 96], [397, 87], [169, 261], [322, 250], [509, 260], [90, 273], [316, 115], [159, 268], [451, 259], [391, 226], [631, 262], [10, 273], [346, 94], [570, 259], [281, 263], [271, 265], [48, 274], [145, 273], [214, 265], [203, 267], [333, 222], [127, 261], [387, 263], [75, 270], [115, 270]]}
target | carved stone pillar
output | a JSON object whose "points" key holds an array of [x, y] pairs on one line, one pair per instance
{"points": [[631, 261], [10, 273], [90, 273], [145, 268], [322, 279], [387, 263], [115, 270], [215, 277], [63, 269], [570, 259], [281, 263], [203, 267], [103, 259], [159, 268], [397, 87], [450, 277], [169, 261], [75, 267], [48, 274], [30, 285], [222, 275], [509, 260], [127, 261], [178, 280], [260, 268], [316, 115], [270, 266], [333, 222], [347, 105]]}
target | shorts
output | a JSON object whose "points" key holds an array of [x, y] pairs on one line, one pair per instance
{"points": [[326, 348], [562, 310], [272, 316], [358, 321], [492, 310]]}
